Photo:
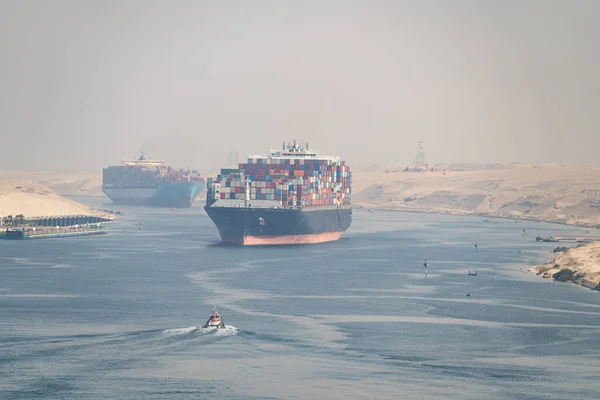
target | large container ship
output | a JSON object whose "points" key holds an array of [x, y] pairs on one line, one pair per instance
{"points": [[151, 183], [288, 196]]}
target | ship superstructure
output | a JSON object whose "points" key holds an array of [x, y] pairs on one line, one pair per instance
{"points": [[289, 195]]}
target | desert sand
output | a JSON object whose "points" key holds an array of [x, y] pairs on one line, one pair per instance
{"points": [[547, 192], [64, 183], [543, 192], [580, 265], [34, 200]]}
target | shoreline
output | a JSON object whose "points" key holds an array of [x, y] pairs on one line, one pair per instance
{"points": [[579, 265], [83, 195], [483, 215], [32, 201]]}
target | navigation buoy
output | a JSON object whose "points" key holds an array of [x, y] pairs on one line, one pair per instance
{"points": [[476, 247]]}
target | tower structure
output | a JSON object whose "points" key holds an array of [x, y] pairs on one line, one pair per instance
{"points": [[420, 160]]}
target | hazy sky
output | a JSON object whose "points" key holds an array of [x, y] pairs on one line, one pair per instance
{"points": [[85, 83]]}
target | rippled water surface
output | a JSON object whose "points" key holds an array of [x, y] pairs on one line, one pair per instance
{"points": [[120, 315]]}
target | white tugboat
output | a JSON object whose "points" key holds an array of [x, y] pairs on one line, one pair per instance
{"points": [[215, 320]]}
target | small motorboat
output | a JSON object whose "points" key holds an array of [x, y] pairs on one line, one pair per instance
{"points": [[468, 294], [472, 273], [214, 321]]}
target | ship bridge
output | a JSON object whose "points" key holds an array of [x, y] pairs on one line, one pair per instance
{"points": [[142, 162], [293, 151]]}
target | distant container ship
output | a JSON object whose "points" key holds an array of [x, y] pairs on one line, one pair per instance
{"points": [[150, 182], [288, 196]]}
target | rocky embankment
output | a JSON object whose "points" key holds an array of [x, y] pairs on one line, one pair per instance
{"points": [[580, 265], [540, 192]]}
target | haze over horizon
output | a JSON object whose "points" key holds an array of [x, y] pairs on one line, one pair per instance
{"points": [[85, 84]]}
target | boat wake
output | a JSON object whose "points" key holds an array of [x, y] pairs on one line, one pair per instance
{"points": [[227, 331], [182, 331]]}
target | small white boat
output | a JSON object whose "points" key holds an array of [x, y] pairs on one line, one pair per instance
{"points": [[214, 321], [472, 273]]}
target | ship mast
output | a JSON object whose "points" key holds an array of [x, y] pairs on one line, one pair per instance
{"points": [[247, 199]]}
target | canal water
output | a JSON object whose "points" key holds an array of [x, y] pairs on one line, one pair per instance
{"points": [[120, 315]]}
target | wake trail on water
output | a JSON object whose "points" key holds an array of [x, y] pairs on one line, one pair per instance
{"points": [[227, 331]]}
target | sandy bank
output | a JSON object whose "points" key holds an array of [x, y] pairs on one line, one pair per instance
{"points": [[66, 183], [580, 265], [34, 200], [539, 192]]}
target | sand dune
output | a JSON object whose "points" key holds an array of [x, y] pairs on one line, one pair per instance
{"points": [[65, 183], [580, 265], [546, 192], [34, 200]]}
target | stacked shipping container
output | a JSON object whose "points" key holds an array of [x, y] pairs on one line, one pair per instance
{"points": [[293, 182], [146, 176]]}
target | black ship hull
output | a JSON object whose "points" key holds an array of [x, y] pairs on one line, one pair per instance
{"points": [[269, 226]]}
